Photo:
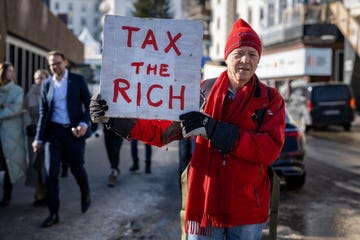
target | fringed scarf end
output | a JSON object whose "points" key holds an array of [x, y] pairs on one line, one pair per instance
{"points": [[205, 226], [192, 227]]}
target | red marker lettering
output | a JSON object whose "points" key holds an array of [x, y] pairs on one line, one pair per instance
{"points": [[122, 90], [130, 30], [181, 97], [150, 40]]}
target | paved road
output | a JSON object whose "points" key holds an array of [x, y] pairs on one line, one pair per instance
{"points": [[123, 212], [130, 211]]}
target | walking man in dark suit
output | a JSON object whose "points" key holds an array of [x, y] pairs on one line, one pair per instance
{"points": [[62, 129]]}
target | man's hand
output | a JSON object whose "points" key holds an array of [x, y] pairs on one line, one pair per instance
{"points": [[79, 131], [222, 135], [37, 146], [197, 124], [97, 109]]}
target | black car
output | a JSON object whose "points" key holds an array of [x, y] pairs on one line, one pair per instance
{"points": [[290, 164], [320, 104]]}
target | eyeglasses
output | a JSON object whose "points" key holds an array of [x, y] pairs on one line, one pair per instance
{"points": [[55, 64]]}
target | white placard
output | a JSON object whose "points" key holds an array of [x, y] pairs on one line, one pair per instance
{"points": [[151, 67]]}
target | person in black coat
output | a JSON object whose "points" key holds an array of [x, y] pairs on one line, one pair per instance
{"points": [[62, 129]]}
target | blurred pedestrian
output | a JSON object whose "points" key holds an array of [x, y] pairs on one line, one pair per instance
{"points": [[135, 157], [35, 174], [239, 132], [62, 130], [12, 138], [113, 144]]}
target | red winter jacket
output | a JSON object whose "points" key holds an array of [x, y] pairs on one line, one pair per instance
{"points": [[232, 189]]}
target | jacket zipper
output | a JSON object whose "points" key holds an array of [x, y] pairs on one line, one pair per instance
{"points": [[225, 159], [255, 190]]}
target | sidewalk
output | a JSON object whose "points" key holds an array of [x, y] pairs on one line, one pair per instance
{"points": [[135, 204]]}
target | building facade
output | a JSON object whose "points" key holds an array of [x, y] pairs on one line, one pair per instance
{"points": [[28, 30], [302, 40], [79, 14]]}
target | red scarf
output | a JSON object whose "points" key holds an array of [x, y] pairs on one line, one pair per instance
{"points": [[204, 208]]}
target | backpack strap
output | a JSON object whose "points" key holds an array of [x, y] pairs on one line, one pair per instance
{"points": [[205, 91], [259, 113]]}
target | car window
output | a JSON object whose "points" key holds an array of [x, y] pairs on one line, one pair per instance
{"points": [[330, 93]]}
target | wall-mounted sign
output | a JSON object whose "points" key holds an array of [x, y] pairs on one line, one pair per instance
{"points": [[298, 62]]}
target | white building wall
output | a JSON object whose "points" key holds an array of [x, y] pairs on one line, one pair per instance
{"points": [[81, 13], [258, 13], [221, 23], [218, 29], [86, 13]]}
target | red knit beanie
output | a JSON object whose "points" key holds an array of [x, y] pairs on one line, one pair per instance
{"points": [[242, 34]]}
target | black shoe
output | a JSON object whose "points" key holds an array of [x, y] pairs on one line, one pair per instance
{"points": [[4, 203], [134, 167], [85, 202], [52, 219], [112, 178], [147, 169], [39, 203]]}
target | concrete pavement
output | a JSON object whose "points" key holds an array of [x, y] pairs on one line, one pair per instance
{"points": [[130, 205], [337, 133], [141, 206]]}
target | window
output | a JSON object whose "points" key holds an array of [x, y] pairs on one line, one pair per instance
{"points": [[83, 7], [270, 14], [70, 6], [281, 10], [96, 22], [83, 21], [19, 67], [250, 15], [70, 19]]}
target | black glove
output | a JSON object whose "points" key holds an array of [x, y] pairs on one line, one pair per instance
{"points": [[31, 130], [221, 134], [97, 109], [197, 124]]}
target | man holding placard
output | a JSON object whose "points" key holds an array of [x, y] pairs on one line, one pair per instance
{"points": [[228, 184]]}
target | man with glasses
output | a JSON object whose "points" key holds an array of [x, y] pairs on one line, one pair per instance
{"points": [[62, 129]]}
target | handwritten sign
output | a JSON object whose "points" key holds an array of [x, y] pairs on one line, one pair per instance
{"points": [[151, 67]]}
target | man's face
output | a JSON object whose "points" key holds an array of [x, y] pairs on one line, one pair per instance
{"points": [[57, 65], [241, 64]]}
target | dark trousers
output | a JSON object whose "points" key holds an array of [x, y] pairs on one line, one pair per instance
{"points": [[8, 186], [61, 143], [134, 152], [113, 144]]}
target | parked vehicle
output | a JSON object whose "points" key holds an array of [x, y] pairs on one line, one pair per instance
{"points": [[290, 164], [318, 105]]}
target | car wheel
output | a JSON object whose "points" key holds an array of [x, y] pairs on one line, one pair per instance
{"points": [[295, 181], [347, 126]]}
